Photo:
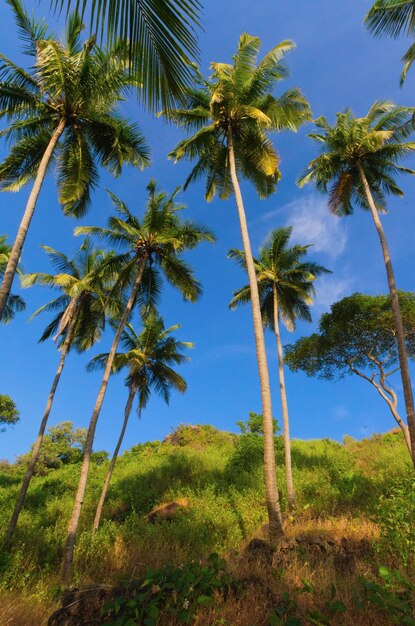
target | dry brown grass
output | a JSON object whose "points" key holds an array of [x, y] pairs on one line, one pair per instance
{"points": [[21, 610]]}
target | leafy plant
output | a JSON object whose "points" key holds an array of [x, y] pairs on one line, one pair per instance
{"points": [[395, 514], [177, 591], [393, 596]]}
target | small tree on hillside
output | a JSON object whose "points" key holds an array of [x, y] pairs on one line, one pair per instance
{"points": [[358, 337], [9, 415], [61, 446]]}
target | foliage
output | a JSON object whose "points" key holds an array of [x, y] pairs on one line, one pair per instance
{"points": [[161, 38], [148, 358], [284, 270], [359, 331], [156, 240], [174, 591], [254, 424], [393, 596], [73, 83], [376, 143], [15, 303], [395, 513], [237, 102], [83, 302], [60, 446], [286, 613], [9, 414], [394, 18]]}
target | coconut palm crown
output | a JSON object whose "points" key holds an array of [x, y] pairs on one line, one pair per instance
{"points": [[153, 242], [75, 84], [237, 100], [283, 267], [375, 142], [148, 357], [83, 301]]}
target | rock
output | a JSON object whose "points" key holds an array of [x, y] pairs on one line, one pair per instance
{"points": [[260, 550], [166, 511], [82, 608]]}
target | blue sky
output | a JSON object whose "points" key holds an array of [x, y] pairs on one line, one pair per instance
{"points": [[336, 64]]}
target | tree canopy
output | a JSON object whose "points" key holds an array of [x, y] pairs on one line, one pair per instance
{"points": [[358, 332]]}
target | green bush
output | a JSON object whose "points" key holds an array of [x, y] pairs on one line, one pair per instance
{"points": [[395, 514]]}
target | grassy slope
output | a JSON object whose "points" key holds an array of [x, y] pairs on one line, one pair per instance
{"points": [[220, 474]]}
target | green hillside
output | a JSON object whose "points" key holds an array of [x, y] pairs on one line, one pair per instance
{"points": [[357, 497]]}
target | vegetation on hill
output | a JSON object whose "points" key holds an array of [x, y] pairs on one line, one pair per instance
{"points": [[351, 492]]}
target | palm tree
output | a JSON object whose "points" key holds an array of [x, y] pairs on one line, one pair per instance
{"points": [[359, 161], [161, 35], [79, 320], [232, 114], [15, 304], [394, 17], [286, 289], [63, 110], [153, 246], [148, 357]]}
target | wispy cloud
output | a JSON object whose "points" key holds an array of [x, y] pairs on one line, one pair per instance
{"points": [[332, 288], [312, 223]]}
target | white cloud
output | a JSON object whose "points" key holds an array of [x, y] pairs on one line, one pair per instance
{"points": [[332, 288], [313, 223]]}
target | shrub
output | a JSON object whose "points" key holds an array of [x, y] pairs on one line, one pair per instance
{"points": [[395, 514]]}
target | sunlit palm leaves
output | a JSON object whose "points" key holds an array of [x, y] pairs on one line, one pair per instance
{"points": [[157, 240], [376, 141], [284, 268], [162, 40], [83, 301], [394, 18], [77, 83], [148, 357], [238, 99]]}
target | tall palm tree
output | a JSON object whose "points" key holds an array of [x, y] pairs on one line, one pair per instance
{"points": [[153, 246], [360, 157], [63, 110], [286, 289], [148, 358], [15, 304], [232, 115], [162, 40], [394, 18], [79, 320]]}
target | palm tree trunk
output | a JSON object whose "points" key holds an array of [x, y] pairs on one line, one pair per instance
{"points": [[16, 251], [284, 406], [67, 563], [270, 478], [35, 452], [108, 477], [400, 335]]}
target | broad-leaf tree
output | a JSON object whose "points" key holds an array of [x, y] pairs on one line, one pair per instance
{"points": [[231, 116], [62, 110], [15, 303], [9, 414], [162, 36], [151, 245], [79, 318], [358, 166], [148, 358], [358, 337], [286, 285], [394, 18]]}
